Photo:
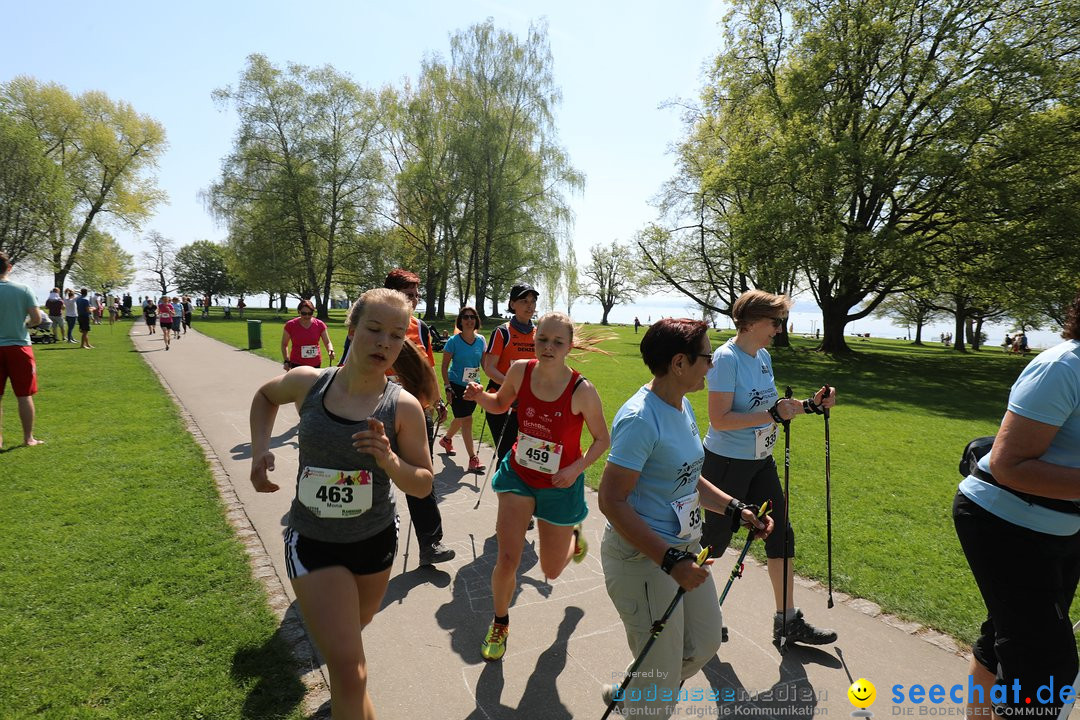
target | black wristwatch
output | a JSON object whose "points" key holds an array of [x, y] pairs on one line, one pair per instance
{"points": [[673, 556], [774, 411]]}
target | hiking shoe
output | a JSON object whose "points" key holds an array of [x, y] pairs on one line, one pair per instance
{"points": [[474, 465], [435, 553], [581, 545], [607, 693], [800, 631], [494, 645], [447, 445]]}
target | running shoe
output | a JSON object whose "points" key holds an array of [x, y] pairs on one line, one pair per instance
{"points": [[581, 545], [436, 553], [800, 631], [447, 445], [494, 646], [474, 465]]}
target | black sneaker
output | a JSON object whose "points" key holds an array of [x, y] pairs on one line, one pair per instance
{"points": [[800, 631], [436, 553]]}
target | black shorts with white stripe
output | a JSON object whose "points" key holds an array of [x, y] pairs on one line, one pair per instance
{"points": [[364, 557]]}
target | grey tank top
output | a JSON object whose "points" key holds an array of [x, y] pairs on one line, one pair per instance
{"points": [[326, 442]]}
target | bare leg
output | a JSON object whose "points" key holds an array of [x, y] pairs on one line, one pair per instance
{"points": [[455, 425], [513, 518], [556, 547], [466, 434], [776, 572], [336, 606], [26, 417], [981, 677]]}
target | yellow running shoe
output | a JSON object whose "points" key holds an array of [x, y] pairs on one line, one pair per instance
{"points": [[494, 645], [581, 545]]}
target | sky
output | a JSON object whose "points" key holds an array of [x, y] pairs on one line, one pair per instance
{"points": [[625, 69]]}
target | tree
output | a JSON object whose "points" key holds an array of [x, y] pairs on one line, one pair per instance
{"points": [[513, 170], [913, 307], [857, 128], [106, 152], [610, 276], [202, 268], [304, 169], [33, 195], [103, 264], [159, 261]]}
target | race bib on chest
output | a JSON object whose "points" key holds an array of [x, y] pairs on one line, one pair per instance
{"points": [[688, 510], [536, 454], [335, 493], [764, 439], [309, 351], [470, 374]]}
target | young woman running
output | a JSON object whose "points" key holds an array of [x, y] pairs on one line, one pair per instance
{"points": [[165, 319], [461, 360], [544, 474], [358, 433], [305, 332]]}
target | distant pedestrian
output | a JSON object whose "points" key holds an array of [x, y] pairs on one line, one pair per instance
{"points": [[304, 333], [165, 319], [240, 305], [85, 309], [637, 324], [185, 302], [16, 353], [71, 313], [206, 306], [178, 318], [55, 306], [150, 314], [114, 311]]}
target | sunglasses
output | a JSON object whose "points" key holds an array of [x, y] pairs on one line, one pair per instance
{"points": [[305, 314], [707, 356], [470, 317], [778, 322], [413, 295]]}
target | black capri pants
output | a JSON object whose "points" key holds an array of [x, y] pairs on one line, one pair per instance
{"points": [[459, 406], [1027, 580], [753, 482]]}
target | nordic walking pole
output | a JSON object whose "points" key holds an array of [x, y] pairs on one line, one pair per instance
{"points": [[494, 458], [654, 632], [787, 510], [828, 493], [736, 572]]}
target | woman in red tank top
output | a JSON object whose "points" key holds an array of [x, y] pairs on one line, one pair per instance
{"points": [[544, 473]]}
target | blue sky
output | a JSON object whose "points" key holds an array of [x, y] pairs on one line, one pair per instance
{"points": [[616, 63]]}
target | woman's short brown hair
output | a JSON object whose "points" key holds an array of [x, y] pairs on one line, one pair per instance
{"points": [[670, 337], [305, 304], [754, 305]]}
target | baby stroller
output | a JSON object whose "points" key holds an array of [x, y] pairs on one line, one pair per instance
{"points": [[42, 334]]}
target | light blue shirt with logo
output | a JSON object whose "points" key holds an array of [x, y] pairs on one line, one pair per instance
{"points": [[662, 443], [1047, 391], [750, 378], [464, 355]]}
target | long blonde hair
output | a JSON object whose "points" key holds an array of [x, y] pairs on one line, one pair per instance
{"points": [[581, 341]]}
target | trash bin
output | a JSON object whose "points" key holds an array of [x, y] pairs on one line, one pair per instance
{"points": [[254, 334]]}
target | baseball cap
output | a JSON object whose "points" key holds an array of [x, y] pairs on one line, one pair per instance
{"points": [[519, 291]]}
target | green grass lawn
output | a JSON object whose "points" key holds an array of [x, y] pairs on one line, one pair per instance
{"points": [[123, 592], [904, 415]]}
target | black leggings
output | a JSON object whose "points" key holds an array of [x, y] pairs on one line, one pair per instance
{"points": [[753, 482], [1027, 580]]}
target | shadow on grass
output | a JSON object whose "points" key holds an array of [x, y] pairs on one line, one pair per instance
{"points": [[270, 674]]}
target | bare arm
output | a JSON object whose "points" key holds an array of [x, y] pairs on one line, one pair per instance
{"points": [[1015, 463], [490, 364], [290, 387], [586, 402], [410, 466], [326, 341], [285, 346], [500, 402], [36, 317]]}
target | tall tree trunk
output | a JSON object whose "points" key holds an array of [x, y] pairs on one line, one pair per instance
{"points": [[976, 335], [958, 330], [834, 320], [918, 333], [607, 309]]}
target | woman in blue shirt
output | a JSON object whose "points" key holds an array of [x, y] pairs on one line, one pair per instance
{"points": [[652, 493], [1017, 519], [744, 416], [460, 366]]}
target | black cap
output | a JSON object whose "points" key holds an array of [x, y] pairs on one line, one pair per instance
{"points": [[519, 291]]}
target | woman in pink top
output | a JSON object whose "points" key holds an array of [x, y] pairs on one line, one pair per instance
{"points": [[165, 319], [305, 333]]}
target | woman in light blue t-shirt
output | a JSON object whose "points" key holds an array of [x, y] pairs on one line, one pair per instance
{"points": [[461, 362], [652, 493], [745, 412], [1018, 521]]}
